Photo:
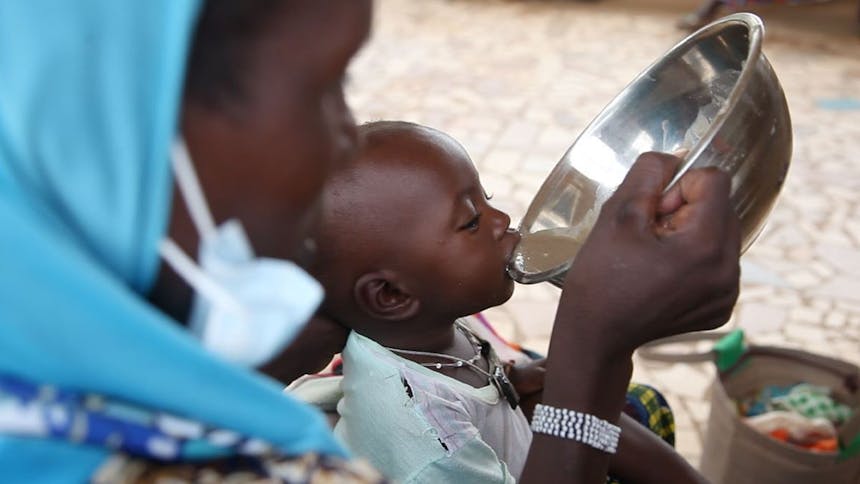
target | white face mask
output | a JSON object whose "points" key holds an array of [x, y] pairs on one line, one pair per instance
{"points": [[246, 308]]}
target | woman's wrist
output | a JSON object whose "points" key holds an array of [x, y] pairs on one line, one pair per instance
{"points": [[586, 375], [588, 368], [576, 382]]}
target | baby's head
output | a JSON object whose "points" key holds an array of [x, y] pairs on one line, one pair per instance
{"points": [[408, 239]]}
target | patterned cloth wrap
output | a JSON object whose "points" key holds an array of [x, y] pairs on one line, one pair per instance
{"points": [[50, 412], [308, 468], [154, 445], [743, 3], [648, 407]]}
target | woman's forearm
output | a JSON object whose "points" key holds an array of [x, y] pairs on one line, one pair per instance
{"points": [[578, 377]]}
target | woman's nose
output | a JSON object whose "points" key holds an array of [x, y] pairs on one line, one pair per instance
{"points": [[342, 129], [350, 129]]}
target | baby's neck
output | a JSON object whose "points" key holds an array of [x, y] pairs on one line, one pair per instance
{"points": [[435, 338]]}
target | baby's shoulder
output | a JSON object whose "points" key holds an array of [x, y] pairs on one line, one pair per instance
{"points": [[373, 373]]}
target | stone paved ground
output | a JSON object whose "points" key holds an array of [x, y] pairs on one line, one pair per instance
{"points": [[515, 81]]}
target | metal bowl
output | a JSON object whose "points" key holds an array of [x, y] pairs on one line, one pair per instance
{"points": [[713, 99]]}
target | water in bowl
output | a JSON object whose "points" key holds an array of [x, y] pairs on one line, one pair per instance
{"points": [[548, 249]]}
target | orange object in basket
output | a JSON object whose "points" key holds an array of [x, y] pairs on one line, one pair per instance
{"points": [[779, 434], [825, 445]]}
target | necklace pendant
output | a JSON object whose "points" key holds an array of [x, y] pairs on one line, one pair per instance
{"points": [[505, 387]]}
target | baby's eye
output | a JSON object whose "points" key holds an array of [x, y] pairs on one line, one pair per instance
{"points": [[472, 224]]}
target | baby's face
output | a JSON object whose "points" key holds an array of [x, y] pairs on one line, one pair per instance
{"points": [[460, 245]]}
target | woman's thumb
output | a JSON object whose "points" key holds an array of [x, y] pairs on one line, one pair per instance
{"points": [[649, 175]]}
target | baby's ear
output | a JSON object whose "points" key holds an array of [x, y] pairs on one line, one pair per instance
{"points": [[381, 295]]}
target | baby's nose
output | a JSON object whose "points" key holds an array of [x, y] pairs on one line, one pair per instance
{"points": [[501, 223]]}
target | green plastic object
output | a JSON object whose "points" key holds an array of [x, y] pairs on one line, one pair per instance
{"points": [[851, 450], [729, 349]]}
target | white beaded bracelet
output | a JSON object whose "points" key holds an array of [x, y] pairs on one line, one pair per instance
{"points": [[581, 427]]}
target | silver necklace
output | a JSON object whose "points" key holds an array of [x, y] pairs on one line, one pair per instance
{"points": [[496, 376], [477, 345]]}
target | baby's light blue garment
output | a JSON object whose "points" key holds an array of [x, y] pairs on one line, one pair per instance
{"points": [[422, 438], [89, 98]]}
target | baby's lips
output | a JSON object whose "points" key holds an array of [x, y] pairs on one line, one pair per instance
{"points": [[515, 236]]}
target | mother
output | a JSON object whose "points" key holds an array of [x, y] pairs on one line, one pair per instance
{"points": [[93, 94]]}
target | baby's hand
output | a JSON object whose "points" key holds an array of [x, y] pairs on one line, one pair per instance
{"points": [[527, 380]]}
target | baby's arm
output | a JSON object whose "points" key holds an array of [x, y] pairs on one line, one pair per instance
{"points": [[527, 380]]}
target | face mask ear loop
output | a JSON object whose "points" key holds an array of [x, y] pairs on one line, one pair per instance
{"points": [[189, 186], [196, 278]]}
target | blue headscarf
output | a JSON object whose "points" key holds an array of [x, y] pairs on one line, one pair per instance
{"points": [[89, 100]]}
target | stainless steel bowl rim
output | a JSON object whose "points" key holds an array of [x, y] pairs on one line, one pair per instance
{"points": [[755, 28], [756, 34]]}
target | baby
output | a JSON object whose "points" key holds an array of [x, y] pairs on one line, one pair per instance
{"points": [[409, 245]]}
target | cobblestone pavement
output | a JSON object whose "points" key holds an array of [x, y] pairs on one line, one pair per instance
{"points": [[516, 81]]}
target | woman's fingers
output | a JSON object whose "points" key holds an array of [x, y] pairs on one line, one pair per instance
{"points": [[638, 196], [642, 280], [704, 198], [704, 213]]}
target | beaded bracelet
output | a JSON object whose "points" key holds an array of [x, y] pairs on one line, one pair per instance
{"points": [[581, 427]]}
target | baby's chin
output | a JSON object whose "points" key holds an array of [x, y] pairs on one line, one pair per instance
{"points": [[494, 295], [505, 294]]}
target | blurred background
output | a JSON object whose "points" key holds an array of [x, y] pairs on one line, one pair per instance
{"points": [[517, 81]]}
